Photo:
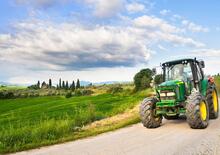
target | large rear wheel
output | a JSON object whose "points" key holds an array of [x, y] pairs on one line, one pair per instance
{"points": [[212, 99], [197, 111], [147, 113]]}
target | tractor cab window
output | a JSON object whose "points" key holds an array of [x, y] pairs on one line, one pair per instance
{"points": [[199, 72], [178, 72]]}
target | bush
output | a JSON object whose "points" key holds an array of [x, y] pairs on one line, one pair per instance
{"points": [[7, 95], [115, 89], [86, 92], [68, 95], [143, 79], [78, 93]]}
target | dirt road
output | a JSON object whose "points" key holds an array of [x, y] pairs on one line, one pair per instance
{"points": [[173, 137]]}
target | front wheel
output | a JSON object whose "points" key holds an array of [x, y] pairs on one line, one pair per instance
{"points": [[197, 111], [147, 113]]}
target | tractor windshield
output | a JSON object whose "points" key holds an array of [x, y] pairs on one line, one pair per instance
{"points": [[178, 72]]}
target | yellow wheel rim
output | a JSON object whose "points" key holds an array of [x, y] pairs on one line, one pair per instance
{"points": [[203, 111], [215, 101]]}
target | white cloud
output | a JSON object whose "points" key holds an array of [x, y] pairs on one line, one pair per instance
{"points": [[159, 29], [41, 3], [135, 7], [207, 52], [106, 8], [68, 46], [194, 27], [154, 22], [165, 12]]}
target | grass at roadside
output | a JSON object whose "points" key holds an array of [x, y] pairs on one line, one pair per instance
{"points": [[217, 82], [33, 122]]}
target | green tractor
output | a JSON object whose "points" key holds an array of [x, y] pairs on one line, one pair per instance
{"points": [[184, 92]]}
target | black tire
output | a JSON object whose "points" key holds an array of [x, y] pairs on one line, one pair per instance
{"points": [[193, 111], [171, 117], [147, 113], [213, 112]]}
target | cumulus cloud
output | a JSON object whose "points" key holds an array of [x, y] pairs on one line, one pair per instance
{"points": [[42, 45], [194, 27], [69, 46], [41, 3], [155, 23], [106, 8], [164, 12], [159, 29], [135, 7], [206, 52]]}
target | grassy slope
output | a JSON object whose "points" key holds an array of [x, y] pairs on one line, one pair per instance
{"points": [[217, 82], [33, 122], [12, 87]]}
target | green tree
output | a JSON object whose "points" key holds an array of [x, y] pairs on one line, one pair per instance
{"points": [[77, 84], [158, 79], [67, 85], [63, 85], [143, 79], [60, 85], [38, 84], [73, 87], [50, 83]]}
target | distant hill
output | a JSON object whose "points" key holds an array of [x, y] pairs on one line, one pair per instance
{"points": [[82, 83], [4, 84], [86, 83]]}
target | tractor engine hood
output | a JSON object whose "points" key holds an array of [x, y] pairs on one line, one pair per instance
{"points": [[176, 86], [172, 83]]}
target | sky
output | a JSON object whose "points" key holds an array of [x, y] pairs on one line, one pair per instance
{"points": [[102, 40]]}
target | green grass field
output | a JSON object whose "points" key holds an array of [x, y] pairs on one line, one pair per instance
{"points": [[32, 122], [217, 82], [12, 87]]}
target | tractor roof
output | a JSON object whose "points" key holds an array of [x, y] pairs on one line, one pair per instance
{"points": [[179, 61]]}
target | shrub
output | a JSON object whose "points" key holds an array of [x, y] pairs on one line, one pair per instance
{"points": [[86, 92], [78, 93], [115, 89], [143, 79], [68, 95]]}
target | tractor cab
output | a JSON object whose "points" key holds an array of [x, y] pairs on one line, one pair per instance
{"points": [[184, 75]]}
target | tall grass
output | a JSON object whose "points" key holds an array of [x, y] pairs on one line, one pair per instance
{"points": [[32, 122], [217, 82]]}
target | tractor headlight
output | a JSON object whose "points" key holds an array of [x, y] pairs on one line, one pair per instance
{"points": [[162, 94], [170, 94]]}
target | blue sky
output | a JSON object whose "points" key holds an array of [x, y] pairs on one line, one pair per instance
{"points": [[102, 40]]}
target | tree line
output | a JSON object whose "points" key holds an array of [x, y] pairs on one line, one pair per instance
{"points": [[61, 85]]}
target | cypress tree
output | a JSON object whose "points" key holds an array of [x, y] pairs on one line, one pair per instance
{"points": [[67, 85], [73, 87], [50, 83], [77, 84], [63, 85], [38, 84], [60, 86]]}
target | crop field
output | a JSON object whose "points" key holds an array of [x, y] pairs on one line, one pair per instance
{"points": [[31, 122]]}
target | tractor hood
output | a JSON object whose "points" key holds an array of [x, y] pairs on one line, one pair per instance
{"points": [[176, 86], [172, 83]]}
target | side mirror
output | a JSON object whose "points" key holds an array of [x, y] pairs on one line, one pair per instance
{"points": [[202, 64], [154, 71]]}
